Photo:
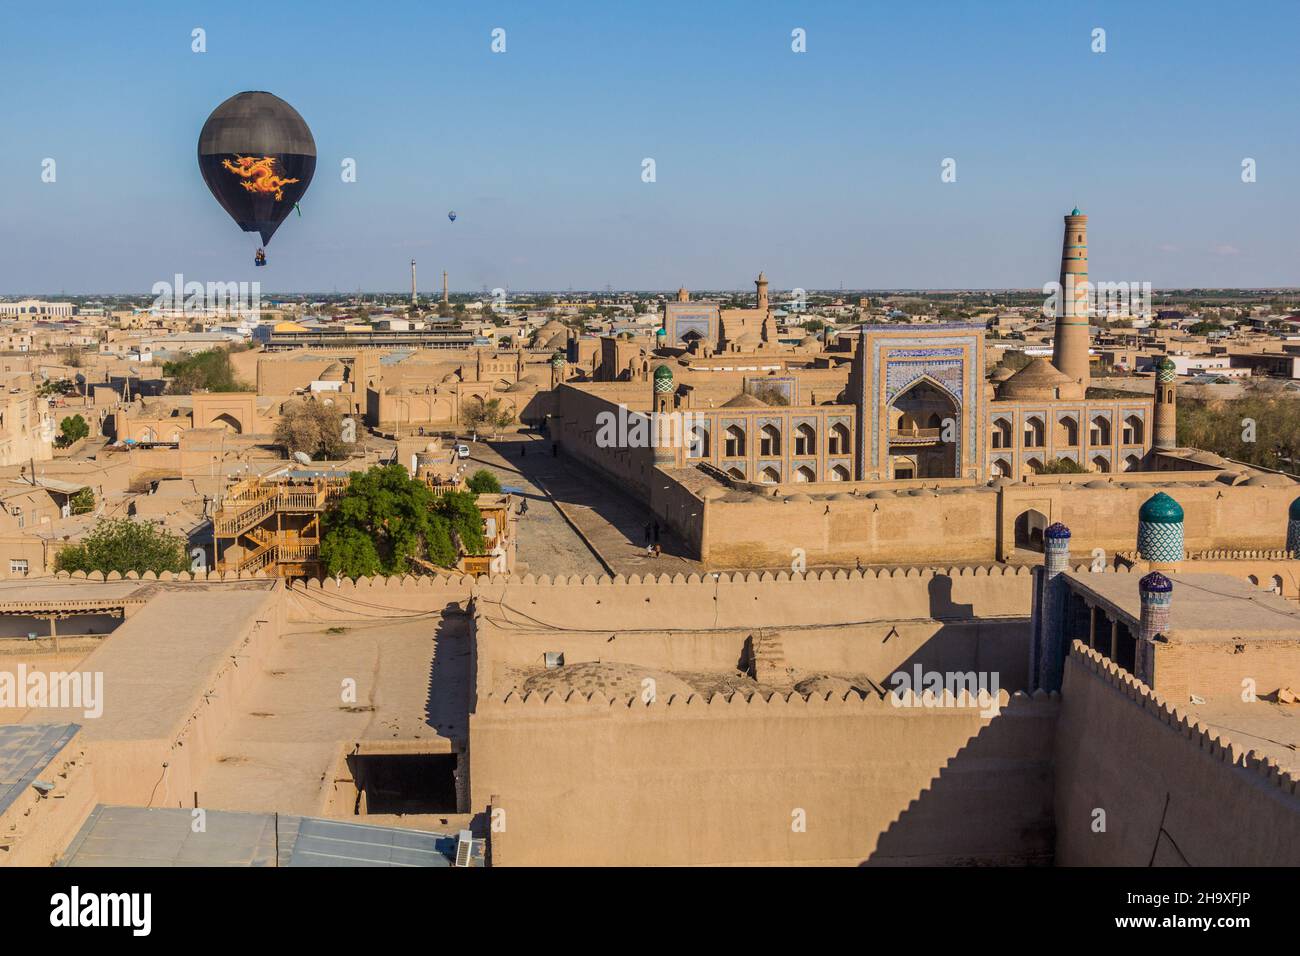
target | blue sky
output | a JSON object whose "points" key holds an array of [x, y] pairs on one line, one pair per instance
{"points": [[821, 168]]}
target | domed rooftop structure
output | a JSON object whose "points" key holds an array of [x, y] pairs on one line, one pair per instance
{"points": [[663, 373], [1266, 479], [1161, 509], [1157, 582], [744, 400], [1001, 373], [1039, 380]]}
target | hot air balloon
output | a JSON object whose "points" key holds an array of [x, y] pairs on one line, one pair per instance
{"points": [[257, 156], [452, 215]]}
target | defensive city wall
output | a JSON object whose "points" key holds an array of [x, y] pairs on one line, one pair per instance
{"points": [[1141, 782]]}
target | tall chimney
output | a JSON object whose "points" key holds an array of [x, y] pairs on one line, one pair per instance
{"points": [[444, 287], [413, 298]]}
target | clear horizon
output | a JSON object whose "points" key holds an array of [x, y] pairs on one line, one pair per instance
{"points": [[821, 168]]}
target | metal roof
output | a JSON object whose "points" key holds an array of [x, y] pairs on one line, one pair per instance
{"points": [[26, 750], [142, 836]]}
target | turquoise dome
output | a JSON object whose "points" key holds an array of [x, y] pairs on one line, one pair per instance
{"points": [[1161, 509], [1075, 211], [661, 331]]}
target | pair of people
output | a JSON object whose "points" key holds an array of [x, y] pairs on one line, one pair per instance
{"points": [[259, 259], [653, 550]]}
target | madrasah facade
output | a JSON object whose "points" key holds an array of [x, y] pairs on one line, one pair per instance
{"points": [[918, 404]]}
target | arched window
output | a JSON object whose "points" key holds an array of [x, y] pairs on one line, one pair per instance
{"points": [[1002, 434], [1133, 434], [1277, 584], [1001, 468], [839, 473], [769, 476], [1099, 431], [736, 473], [837, 443], [804, 474], [1034, 432], [1099, 463], [1067, 432], [805, 440], [1034, 466], [735, 442], [1132, 463], [697, 445], [769, 441]]}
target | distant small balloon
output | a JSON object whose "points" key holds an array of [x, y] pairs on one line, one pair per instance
{"points": [[452, 215]]}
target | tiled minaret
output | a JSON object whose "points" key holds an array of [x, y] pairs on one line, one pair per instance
{"points": [[558, 362], [1070, 344], [1293, 528], [663, 404], [1156, 592], [1048, 655], [1165, 435], [1160, 532]]}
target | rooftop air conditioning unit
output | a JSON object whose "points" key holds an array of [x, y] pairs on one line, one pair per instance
{"points": [[464, 848]]}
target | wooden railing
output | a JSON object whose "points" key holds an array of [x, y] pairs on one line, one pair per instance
{"points": [[915, 434]]}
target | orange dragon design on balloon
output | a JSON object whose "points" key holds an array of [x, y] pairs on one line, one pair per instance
{"points": [[259, 175]]}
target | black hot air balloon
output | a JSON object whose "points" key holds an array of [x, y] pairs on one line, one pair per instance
{"points": [[257, 156]]}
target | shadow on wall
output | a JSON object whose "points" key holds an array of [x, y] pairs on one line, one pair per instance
{"points": [[942, 607], [446, 709], [990, 805]]}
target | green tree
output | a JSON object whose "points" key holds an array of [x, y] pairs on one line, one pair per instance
{"points": [[483, 482], [210, 371], [122, 545], [82, 502], [386, 519], [72, 429]]}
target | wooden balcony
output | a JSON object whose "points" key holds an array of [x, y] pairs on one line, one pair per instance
{"points": [[915, 436]]}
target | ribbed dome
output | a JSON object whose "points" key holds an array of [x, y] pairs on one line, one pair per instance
{"points": [[663, 374], [1161, 509]]}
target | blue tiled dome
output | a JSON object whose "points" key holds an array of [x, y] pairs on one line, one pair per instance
{"points": [[1161, 509]]}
